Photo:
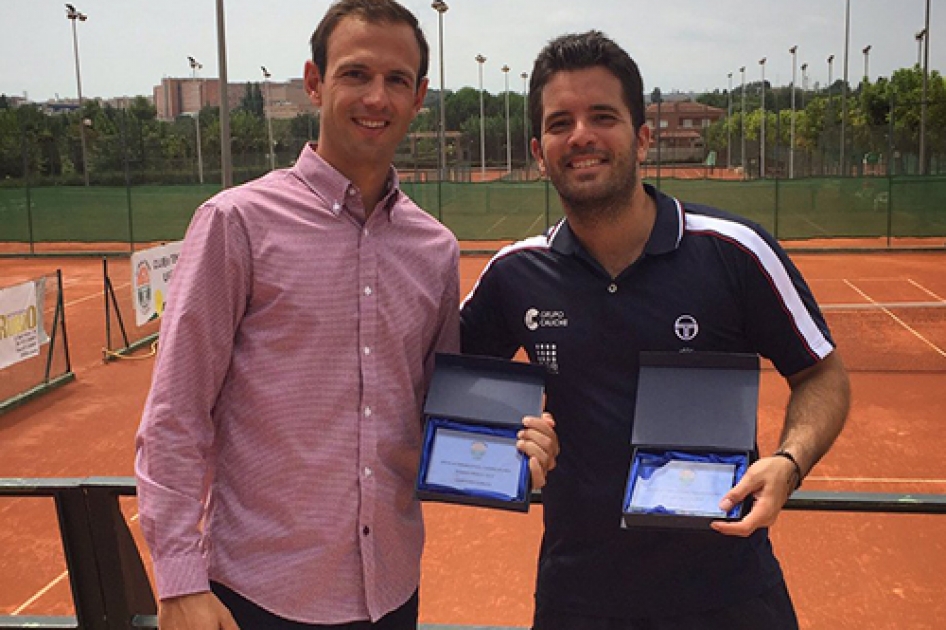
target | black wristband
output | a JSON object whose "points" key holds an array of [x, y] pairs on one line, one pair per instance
{"points": [[798, 476]]}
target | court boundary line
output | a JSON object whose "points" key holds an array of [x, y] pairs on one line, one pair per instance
{"points": [[916, 334], [52, 584]]}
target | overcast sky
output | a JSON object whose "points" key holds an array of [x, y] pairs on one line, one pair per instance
{"points": [[127, 46]]}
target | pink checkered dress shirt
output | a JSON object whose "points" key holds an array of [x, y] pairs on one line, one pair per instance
{"points": [[280, 441]]}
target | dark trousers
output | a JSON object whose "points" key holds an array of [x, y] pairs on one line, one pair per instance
{"points": [[771, 610], [249, 616]]}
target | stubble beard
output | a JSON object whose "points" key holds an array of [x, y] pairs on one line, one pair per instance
{"points": [[603, 202]]}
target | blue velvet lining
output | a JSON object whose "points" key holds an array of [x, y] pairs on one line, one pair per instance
{"points": [[648, 462], [509, 432]]}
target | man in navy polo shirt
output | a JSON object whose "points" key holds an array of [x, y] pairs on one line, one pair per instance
{"points": [[630, 269]]}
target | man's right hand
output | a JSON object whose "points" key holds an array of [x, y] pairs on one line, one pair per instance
{"points": [[198, 611]]}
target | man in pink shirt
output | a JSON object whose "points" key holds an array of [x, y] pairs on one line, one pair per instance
{"points": [[279, 444]]}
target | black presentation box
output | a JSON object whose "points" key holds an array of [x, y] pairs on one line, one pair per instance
{"points": [[693, 438], [473, 412]]}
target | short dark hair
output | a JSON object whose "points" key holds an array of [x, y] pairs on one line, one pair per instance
{"points": [[577, 51], [372, 12]]}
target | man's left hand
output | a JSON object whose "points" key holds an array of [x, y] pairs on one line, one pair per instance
{"points": [[770, 481], [539, 442]]}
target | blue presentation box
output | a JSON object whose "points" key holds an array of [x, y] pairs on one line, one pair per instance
{"points": [[693, 438], [473, 412]]}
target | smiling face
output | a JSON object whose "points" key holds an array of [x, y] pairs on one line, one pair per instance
{"points": [[369, 95], [588, 145]]}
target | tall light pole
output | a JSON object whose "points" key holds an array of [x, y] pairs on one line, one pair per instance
{"points": [[791, 141], [920, 36], [729, 125], [866, 52], [926, 80], [480, 59], [505, 70], [804, 83], [226, 162], [441, 7], [830, 74], [73, 14], [742, 116], [269, 120], [195, 66], [762, 126], [847, 46], [525, 118]]}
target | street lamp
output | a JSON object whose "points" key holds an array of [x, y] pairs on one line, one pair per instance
{"points": [[729, 124], [505, 70], [195, 66], [441, 7], [73, 14], [525, 117], [866, 52], [742, 149], [791, 141], [847, 46], [804, 83], [926, 80], [657, 97], [269, 120], [762, 133], [226, 159], [480, 59], [920, 36], [830, 75]]}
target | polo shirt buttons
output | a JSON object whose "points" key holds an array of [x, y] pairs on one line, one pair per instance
{"points": [[612, 288], [365, 530]]}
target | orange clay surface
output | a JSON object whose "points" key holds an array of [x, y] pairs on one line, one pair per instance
{"points": [[857, 571]]}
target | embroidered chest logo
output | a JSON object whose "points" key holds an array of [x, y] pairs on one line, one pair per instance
{"points": [[686, 328], [535, 319]]}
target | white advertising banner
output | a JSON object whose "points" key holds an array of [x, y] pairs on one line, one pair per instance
{"points": [[19, 324], [150, 276]]}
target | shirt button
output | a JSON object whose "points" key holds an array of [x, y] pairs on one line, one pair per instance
{"points": [[351, 192], [336, 206], [366, 350], [367, 412], [367, 290], [365, 530], [612, 288], [366, 232], [367, 472]]}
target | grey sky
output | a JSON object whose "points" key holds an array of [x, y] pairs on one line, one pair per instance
{"points": [[127, 46]]}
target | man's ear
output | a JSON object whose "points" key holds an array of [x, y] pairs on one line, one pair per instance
{"points": [[312, 79], [420, 94], [537, 154]]}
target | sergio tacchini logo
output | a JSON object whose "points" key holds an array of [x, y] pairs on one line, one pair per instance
{"points": [[686, 327]]}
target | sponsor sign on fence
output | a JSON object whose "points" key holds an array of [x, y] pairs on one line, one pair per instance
{"points": [[151, 271], [20, 324]]}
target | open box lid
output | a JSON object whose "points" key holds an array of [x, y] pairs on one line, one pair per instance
{"points": [[485, 390], [697, 400]]}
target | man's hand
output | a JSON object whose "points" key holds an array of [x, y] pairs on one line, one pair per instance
{"points": [[771, 481], [198, 611], [539, 442]]}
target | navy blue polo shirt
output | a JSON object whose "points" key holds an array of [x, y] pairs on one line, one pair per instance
{"points": [[707, 281]]}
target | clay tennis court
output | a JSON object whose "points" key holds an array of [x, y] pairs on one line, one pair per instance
{"points": [[845, 570]]}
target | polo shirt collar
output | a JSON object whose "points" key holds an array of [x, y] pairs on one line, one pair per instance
{"points": [[664, 238], [327, 183]]}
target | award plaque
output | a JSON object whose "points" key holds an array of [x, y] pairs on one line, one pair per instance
{"points": [[683, 484], [475, 461]]}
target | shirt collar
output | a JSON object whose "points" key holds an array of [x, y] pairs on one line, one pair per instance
{"points": [[327, 183], [664, 237]]}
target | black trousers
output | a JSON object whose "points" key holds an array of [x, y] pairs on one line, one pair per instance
{"points": [[249, 616], [771, 610]]}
